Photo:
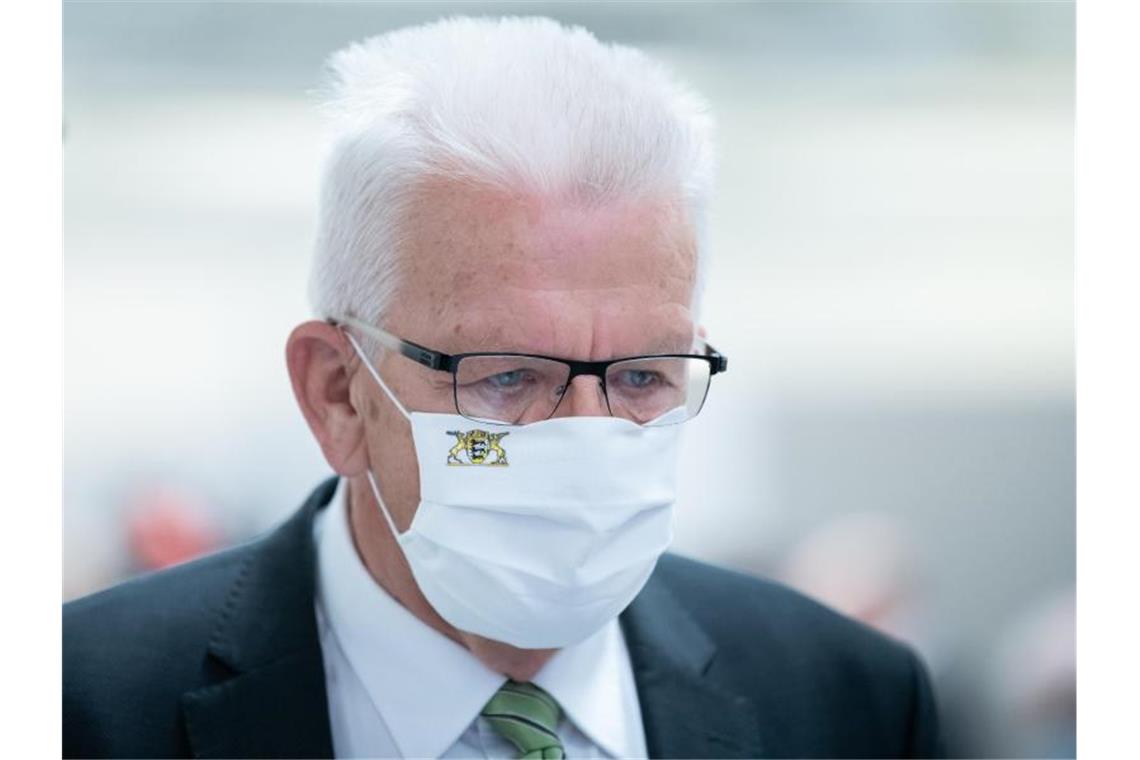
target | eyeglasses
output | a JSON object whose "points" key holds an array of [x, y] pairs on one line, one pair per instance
{"points": [[513, 388]]}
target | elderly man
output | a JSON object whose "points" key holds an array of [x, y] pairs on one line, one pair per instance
{"points": [[508, 271]]}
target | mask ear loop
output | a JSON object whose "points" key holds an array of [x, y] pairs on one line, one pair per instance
{"points": [[376, 375], [383, 507], [383, 386]]}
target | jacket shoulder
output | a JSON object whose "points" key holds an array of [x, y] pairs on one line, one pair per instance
{"points": [[832, 682], [141, 657], [174, 603], [130, 651]]}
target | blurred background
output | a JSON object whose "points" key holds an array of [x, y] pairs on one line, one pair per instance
{"points": [[891, 277]]}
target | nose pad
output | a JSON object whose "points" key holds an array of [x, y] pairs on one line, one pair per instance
{"points": [[584, 398]]}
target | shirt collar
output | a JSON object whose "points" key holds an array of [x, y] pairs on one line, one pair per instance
{"points": [[427, 687], [593, 682]]}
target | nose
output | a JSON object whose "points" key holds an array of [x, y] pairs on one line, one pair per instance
{"points": [[584, 398]]}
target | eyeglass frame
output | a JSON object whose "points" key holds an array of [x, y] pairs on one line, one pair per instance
{"points": [[441, 362]]}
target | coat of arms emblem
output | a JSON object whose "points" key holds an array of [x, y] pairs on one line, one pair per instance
{"points": [[477, 447]]}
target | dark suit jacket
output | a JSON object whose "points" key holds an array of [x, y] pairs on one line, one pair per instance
{"points": [[221, 658]]}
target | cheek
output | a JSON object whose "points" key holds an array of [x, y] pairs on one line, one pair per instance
{"points": [[388, 431], [392, 454]]}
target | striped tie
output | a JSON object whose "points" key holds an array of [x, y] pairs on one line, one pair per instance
{"points": [[527, 717]]}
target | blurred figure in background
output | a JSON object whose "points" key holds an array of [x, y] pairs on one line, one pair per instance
{"points": [[1018, 699], [1034, 681], [166, 527], [157, 522], [864, 565]]}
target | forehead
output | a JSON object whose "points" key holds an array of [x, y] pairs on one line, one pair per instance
{"points": [[485, 271]]}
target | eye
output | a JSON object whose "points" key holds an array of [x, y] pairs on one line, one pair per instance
{"points": [[638, 378], [505, 380]]}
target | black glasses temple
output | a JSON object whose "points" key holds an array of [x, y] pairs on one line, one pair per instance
{"points": [[719, 360], [414, 351], [425, 356]]}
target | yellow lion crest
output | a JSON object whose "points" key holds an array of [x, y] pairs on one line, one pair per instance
{"points": [[477, 447]]}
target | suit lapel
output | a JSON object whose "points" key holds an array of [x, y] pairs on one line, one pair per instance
{"points": [[685, 713], [268, 695]]}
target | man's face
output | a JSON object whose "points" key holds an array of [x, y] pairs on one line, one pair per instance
{"points": [[485, 272]]}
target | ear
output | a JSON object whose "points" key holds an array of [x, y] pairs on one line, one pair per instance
{"points": [[319, 358], [701, 331]]}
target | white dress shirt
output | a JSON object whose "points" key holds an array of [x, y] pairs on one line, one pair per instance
{"points": [[399, 688]]}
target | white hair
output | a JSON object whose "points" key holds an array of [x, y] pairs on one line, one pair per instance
{"points": [[524, 105]]}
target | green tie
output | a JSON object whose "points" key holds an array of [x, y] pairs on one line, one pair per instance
{"points": [[527, 717]]}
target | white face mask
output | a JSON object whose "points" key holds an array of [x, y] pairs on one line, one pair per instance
{"points": [[536, 535]]}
